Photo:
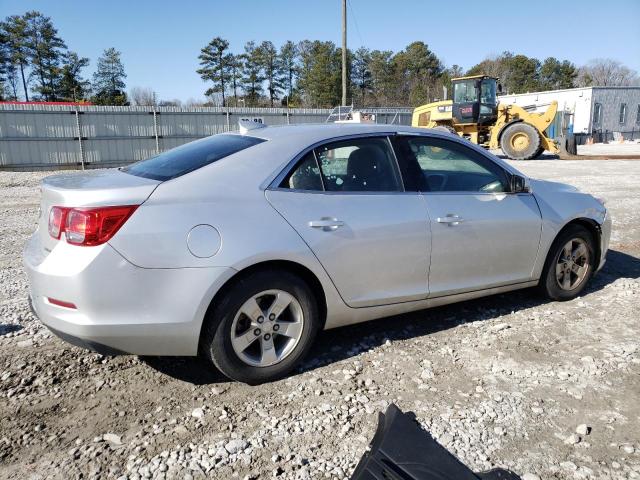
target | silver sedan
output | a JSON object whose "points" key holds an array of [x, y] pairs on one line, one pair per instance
{"points": [[241, 247]]}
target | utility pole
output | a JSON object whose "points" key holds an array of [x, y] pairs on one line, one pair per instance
{"points": [[344, 52]]}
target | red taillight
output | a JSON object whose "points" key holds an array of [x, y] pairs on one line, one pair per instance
{"points": [[57, 218], [88, 226]]}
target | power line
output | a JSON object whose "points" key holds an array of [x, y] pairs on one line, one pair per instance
{"points": [[355, 22]]}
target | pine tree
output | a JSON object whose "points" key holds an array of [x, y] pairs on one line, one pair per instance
{"points": [[555, 74], [383, 81], [15, 31], [320, 73], [215, 66], [272, 69], [289, 62], [235, 74], [418, 71], [72, 86], [4, 65], [252, 77], [362, 73], [46, 51], [108, 80]]}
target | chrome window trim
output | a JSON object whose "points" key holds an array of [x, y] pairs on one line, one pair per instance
{"points": [[397, 163], [318, 192], [317, 160], [274, 184], [465, 192]]}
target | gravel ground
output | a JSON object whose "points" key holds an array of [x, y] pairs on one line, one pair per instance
{"points": [[548, 390]]}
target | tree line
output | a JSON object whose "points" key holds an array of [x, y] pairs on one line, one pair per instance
{"points": [[308, 74], [35, 64]]}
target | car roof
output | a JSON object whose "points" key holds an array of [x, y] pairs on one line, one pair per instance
{"points": [[315, 132]]}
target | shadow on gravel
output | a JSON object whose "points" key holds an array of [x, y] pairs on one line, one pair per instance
{"points": [[192, 370], [619, 265], [341, 343], [8, 328], [544, 156]]}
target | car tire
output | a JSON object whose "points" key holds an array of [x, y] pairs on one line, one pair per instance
{"points": [[572, 146], [553, 282], [445, 129], [539, 152], [520, 141], [219, 342]]}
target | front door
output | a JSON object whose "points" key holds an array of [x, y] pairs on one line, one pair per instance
{"points": [[482, 236], [346, 200]]}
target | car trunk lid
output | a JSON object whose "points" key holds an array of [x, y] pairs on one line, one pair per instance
{"points": [[95, 188]]}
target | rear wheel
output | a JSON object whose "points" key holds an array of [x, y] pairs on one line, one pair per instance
{"points": [[569, 264], [538, 152], [520, 141], [446, 129], [262, 328]]}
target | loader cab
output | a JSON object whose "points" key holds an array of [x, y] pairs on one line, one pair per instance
{"points": [[475, 100]]}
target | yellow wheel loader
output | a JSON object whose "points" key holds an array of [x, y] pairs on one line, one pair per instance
{"points": [[474, 113]]}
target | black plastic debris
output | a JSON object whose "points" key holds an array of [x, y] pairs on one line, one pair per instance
{"points": [[401, 450]]}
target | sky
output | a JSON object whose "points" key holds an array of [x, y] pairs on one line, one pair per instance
{"points": [[160, 40]]}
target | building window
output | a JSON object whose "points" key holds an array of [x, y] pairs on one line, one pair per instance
{"points": [[597, 113], [638, 116], [623, 113]]}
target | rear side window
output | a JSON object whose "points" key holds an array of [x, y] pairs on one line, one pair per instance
{"points": [[191, 156], [306, 176], [356, 165], [359, 165]]}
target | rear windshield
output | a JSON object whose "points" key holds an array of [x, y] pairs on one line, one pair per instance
{"points": [[191, 156]]}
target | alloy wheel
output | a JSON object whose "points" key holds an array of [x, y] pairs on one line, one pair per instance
{"points": [[267, 328], [573, 264]]}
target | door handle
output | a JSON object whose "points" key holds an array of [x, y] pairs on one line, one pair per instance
{"points": [[327, 224], [450, 219]]}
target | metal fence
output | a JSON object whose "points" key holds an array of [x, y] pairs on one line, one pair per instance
{"points": [[61, 136]]}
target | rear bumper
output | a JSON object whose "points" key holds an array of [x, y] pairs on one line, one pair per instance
{"points": [[121, 308], [87, 344]]}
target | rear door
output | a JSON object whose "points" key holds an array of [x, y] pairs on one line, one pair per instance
{"points": [[482, 235], [347, 201]]}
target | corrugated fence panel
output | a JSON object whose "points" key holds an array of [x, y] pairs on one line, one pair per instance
{"points": [[60, 136]]}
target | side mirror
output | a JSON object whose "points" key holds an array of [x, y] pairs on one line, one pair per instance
{"points": [[499, 88], [520, 184]]}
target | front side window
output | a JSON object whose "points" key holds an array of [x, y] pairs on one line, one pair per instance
{"points": [[465, 92], [445, 166], [597, 113], [359, 165], [623, 113], [191, 156], [488, 91]]}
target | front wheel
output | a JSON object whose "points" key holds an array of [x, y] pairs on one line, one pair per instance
{"points": [[569, 264], [520, 141], [262, 328]]}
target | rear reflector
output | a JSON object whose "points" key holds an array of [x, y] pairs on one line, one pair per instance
{"points": [[61, 303], [88, 226]]}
